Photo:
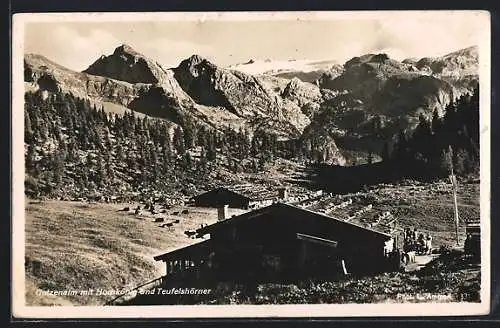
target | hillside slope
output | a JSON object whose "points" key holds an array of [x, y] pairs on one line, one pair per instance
{"points": [[97, 246]]}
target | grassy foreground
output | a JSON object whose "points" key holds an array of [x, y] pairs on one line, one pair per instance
{"points": [[82, 246]]}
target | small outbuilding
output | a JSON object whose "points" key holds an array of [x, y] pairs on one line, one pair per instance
{"points": [[239, 196], [222, 196]]}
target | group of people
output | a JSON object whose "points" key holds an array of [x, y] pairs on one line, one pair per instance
{"points": [[417, 242]]}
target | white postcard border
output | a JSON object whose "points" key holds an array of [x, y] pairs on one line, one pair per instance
{"points": [[20, 310]]}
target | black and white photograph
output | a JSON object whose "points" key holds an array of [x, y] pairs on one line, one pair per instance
{"points": [[251, 164]]}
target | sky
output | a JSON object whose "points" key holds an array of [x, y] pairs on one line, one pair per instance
{"points": [[76, 43]]}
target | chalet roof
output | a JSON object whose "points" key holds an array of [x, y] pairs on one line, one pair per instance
{"points": [[279, 207], [251, 192]]}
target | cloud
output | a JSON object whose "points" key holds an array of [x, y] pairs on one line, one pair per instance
{"points": [[66, 46], [421, 37]]}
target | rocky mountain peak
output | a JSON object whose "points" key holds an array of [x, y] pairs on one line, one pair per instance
{"points": [[126, 49], [127, 65], [196, 59], [194, 62]]}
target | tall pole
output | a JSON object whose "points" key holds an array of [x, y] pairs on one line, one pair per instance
{"points": [[456, 207], [454, 186]]}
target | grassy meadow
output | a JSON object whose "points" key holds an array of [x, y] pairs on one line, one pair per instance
{"points": [[83, 246]]}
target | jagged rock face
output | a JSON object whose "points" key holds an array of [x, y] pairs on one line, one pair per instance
{"points": [[457, 64], [330, 75], [242, 94], [339, 108], [158, 102], [283, 129], [125, 64], [165, 99], [424, 62], [274, 83], [389, 87], [339, 115], [197, 77], [375, 88], [410, 61], [364, 76], [113, 91], [330, 153], [318, 138], [411, 96], [301, 93], [305, 95]]}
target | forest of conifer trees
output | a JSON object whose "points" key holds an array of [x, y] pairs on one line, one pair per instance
{"points": [[442, 143], [73, 147]]}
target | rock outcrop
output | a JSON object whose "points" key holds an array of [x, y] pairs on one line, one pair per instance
{"points": [[242, 94], [464, 62], [305, 95], [41, 73], [407, 88], [126, 64]]}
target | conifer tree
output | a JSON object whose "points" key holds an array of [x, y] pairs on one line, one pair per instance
{"points": [[179, 141]]}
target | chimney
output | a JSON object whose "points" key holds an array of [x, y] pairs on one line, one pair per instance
{"points": [[283, 194], [222, 212]]}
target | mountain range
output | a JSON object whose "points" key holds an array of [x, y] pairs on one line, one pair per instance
{"points": [[357, 106]]}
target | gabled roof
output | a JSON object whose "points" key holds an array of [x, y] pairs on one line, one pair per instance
{"points": [[225, 190], [278, 207], [252, 193]]}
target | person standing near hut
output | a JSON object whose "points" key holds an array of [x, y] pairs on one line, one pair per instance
{"points": [[414, 239], [407, 240], [428, 243], [420, 243]]}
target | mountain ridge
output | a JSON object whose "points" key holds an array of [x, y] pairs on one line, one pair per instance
{"points": [[197, 89]]}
